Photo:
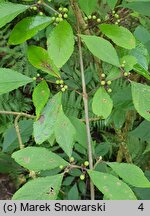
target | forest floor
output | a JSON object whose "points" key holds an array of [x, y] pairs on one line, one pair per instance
{"points": [[6, 187]]}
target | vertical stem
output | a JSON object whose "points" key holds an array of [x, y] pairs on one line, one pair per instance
{"points": [[80, 21], [18, 132], [85, 99]]}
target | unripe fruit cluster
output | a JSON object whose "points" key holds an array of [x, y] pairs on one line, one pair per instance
{"points": [[92, 17], [61, 83], [117, 18], [106, 83], [61, 16]]}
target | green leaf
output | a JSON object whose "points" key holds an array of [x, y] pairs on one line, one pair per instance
{"points": [[8, 11], [10, 80], [38, 158], [40, 59], [10, 137], [27, 28], [140, 7], [141, 99], [89, 7], [131, 174], [111, 186], [40, 96], [64, 133], [130, 61], [142, 131], [44, 188], [112, 3], [102, 49], [141, 54], [44, 126], [80, 127], [114, 73], [142, 34], [119, 35], [61, 43], [102, 104], [73, 193], [142, 71], [8, 165]]}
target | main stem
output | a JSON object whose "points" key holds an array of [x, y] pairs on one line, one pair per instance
{"points": [[85, 99], [81, 23]]}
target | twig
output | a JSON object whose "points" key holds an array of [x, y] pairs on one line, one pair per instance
{"points": [[80, 22], [98, 161], [52, 9], [91, 119], [18, 115]]}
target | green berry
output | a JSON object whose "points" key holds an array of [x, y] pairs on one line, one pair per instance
{"points": [[122, 65], [39, 2], [41, 13], [53, 18], [61, 81], [60, 15], [65, 10], [49, 0], [124, 61], [86, 163], [65, 86], [60, 9], [85, 18], [71, 159], [34, 8], [113, 12], [126, 74], [65, 16], [116, 23], [82, 177], [57, 82], [94, 17], [118, 20], [60, 19], [61, 166], [103, 82], [89, 17], [116, 16], [103, 75], [57, 19], [98, 20], [34, 78], [63, 89], [38, 75], [108, 82], [61, 86], [109, 90]]}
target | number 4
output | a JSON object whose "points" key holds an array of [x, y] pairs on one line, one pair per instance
{"points": [[141, 207]]}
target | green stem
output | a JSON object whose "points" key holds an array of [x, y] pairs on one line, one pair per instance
{"points": [[52, 9]]}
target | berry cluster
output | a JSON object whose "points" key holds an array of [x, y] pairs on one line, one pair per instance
{"points": [[62, 86], [126, 74], [35, 78], [90, 17], [106, 83], [37, 7], [117, 18], [63, 14]]}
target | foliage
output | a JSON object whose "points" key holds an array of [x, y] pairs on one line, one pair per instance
{"points": [[74, 80]]}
